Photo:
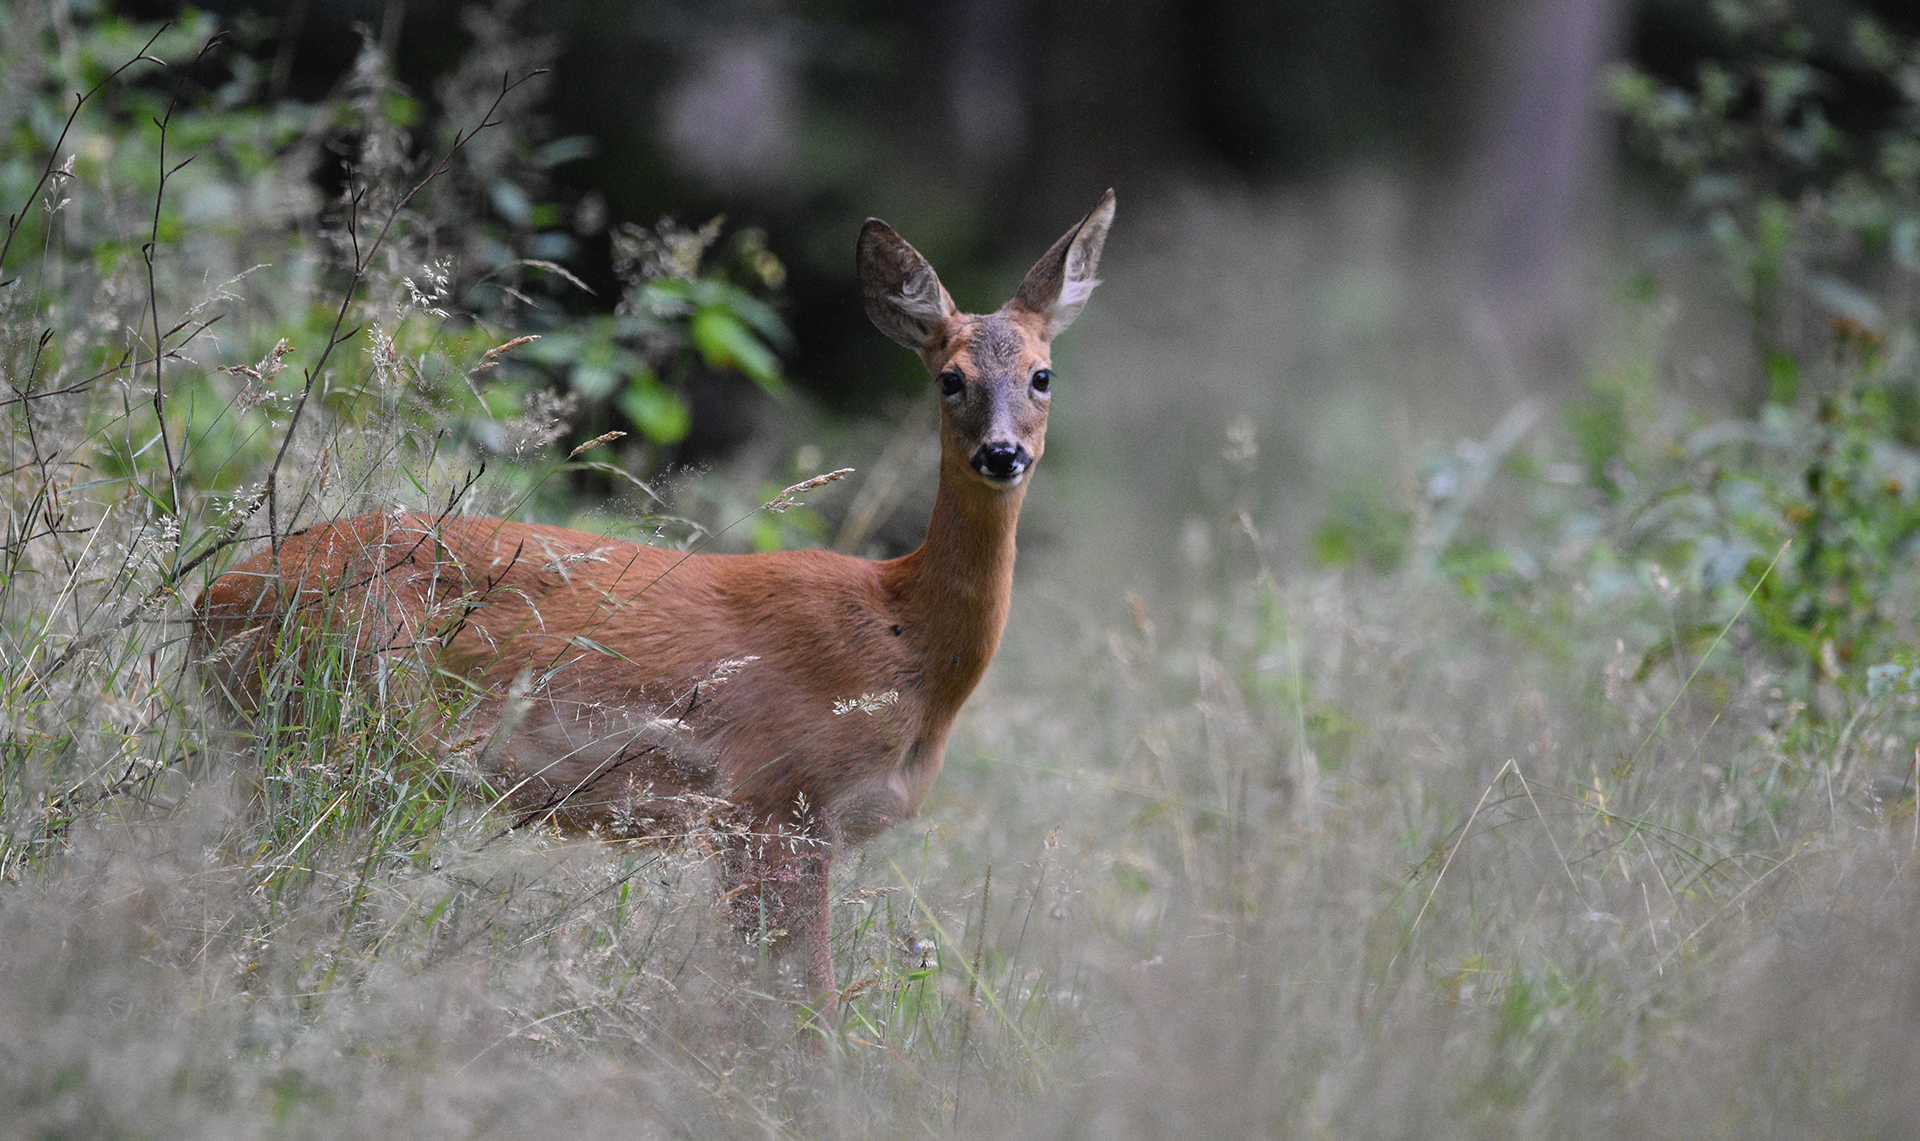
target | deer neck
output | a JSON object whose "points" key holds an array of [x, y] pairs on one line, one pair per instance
{"points": [[954, 590]]}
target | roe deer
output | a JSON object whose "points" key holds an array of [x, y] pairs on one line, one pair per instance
{"points": [[620, 684]]}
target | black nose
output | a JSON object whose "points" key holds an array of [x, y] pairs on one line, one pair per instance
{"points": [[1001, 461]]}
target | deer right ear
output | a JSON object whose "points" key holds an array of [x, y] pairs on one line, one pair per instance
{"points": [[1058, 285], [904, 297]]}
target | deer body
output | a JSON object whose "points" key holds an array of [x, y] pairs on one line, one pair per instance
{"points": [[621, 687]]}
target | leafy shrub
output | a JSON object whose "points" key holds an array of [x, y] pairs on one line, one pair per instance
{"points": [[1794, 526]]}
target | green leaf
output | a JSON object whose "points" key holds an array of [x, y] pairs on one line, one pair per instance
{"points": [[655, 410], [402, 110], [1130, 878], [601, 366], [594, 381], [567, 149], [1783, 376], [586, 643], [725, 341], [748, 308], [555, 348]]}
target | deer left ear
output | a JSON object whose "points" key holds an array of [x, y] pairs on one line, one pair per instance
{"points": [[1057, 287], [903, 295]]}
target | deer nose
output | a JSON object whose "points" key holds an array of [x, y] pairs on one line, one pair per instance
{"points": [[1002, 462]]}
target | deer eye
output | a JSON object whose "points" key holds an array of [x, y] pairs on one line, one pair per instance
{"points": [[952, 383], [1042, 379]]}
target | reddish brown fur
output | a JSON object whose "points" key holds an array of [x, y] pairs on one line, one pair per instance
{"points": [[616, 681]]}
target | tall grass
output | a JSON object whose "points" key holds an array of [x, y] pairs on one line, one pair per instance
{"points": [[1265, 852]]}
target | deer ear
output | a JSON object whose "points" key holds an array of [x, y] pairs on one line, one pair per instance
{"points": [[904, 297], [1058, 285]]}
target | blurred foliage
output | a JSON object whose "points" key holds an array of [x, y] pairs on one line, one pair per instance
{"points": [[1812, 505], [1365, 526], [1808, 200], [672, 319], [1794, 528], [391, 243]]}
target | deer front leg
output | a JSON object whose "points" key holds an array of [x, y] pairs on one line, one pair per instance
{"points": [[775, 882]]}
